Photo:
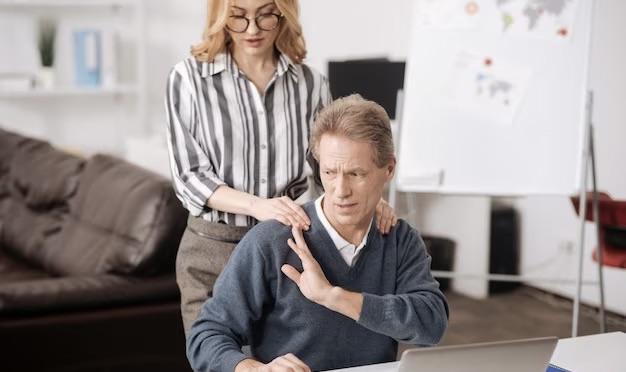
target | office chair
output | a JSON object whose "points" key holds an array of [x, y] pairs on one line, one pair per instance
{"points": [[612, 225]]}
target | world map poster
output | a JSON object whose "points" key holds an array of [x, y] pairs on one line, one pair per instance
{"points": [[491, 87], [544, 19]]}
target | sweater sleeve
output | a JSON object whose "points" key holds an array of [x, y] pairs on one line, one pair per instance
{"points": [[225, 322], [418, 311]]}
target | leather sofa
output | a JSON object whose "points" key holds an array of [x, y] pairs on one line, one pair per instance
{"points": [[87, 252]]}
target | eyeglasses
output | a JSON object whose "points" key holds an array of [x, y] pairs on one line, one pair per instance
{"points": [[265, 22]]}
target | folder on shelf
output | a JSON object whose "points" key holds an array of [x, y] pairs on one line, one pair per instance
{"points": [[87, 57]]}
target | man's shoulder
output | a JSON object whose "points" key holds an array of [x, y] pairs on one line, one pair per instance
{"points": [[268, 233], [268, 230], [267, 236], [405, 235]]}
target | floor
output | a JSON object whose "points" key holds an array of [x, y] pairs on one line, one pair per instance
{"points": [[521, 313]]}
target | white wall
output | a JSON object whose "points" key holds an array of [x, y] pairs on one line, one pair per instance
{"points": [[550, 223], [350, 29]]}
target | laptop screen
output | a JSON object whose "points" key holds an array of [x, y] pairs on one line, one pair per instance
{"points": [[526, 355]]}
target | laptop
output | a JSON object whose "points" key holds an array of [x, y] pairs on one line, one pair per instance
{"points": [[526, 355]]}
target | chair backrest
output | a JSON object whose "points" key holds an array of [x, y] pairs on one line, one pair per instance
{"points": [[612, 221]]}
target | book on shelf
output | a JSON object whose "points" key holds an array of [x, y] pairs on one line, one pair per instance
{"points": [[16, 82], [87, 57], [18, 52], [95, 57]]}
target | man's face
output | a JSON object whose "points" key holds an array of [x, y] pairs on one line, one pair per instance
{"points": [[353, 184]]}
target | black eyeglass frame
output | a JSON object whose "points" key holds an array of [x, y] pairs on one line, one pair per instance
{"points": [[256, 22]]}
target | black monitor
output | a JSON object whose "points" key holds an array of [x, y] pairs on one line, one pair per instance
{"points": [[375, 79]]}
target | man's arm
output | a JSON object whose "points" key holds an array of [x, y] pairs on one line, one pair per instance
{"points": [[417, 313], [225, 323], [227, 319], [418, 309]]}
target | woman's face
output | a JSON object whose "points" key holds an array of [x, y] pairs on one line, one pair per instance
{"points": [[253, 26]]}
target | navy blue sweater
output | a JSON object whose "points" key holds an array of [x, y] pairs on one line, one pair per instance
{"points": [[255, 303]]}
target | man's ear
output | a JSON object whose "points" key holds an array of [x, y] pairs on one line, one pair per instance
{"points": [[391, 168]]}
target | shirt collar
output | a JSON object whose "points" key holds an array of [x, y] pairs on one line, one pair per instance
{"points": [[224, 61], [339, 241]]}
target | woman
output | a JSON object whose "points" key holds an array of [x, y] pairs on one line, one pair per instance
{"points": [[239, 112]]}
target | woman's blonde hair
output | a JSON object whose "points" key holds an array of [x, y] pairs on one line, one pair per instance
{"points": [[215, 38]]}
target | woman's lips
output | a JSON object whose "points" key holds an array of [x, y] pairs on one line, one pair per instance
{"points": [[254, 41]]}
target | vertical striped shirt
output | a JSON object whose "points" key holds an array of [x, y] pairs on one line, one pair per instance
{"points": [[221, 130]]}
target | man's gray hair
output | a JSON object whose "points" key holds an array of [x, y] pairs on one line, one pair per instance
{"points": [[357, 119]]}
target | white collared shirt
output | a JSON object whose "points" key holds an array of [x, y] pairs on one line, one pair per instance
{"points": [[348, 251]]}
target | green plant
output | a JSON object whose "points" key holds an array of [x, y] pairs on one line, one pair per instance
{"points": [[47, 35]]}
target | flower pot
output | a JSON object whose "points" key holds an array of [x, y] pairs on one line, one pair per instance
{"points": [[46, 77]]}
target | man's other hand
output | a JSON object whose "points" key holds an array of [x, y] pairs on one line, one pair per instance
{"points": [[284, 363]]}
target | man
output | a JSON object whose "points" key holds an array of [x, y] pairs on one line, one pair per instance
{"points": [[339, 294]]}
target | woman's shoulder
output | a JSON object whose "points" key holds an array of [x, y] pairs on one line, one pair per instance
{"points": [[311, 70], [299, 67], [187, 66]]}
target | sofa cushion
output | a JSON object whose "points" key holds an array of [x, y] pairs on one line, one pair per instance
{"points": [[82, 292], [37, 181], [26, 233], [43, 176], [123, 219], [9, 143], [13, 270]]}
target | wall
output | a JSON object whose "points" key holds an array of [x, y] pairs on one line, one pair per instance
{"points": [[549, 224]]}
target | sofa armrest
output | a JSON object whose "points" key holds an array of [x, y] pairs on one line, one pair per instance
{"points": [[82, 292]]}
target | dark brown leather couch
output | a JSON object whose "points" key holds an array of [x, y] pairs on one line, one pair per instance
{"points": [[87, 252]]}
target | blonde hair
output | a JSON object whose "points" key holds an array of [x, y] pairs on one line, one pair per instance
{"points": [[215, 39], [359, 120]]}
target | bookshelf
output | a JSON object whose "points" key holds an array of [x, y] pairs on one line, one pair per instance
{"points": [[119, 90]]}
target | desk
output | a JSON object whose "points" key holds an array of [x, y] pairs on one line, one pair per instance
{"points": [[602, 352]]}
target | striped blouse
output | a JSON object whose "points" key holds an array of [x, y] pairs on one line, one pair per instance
{"points": [[221, 130]]}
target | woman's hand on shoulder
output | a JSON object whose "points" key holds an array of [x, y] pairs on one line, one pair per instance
{"points": [[282, 209], [385, 217]]}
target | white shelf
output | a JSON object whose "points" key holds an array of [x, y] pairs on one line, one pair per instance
{"points": [[71, 92], [121, 108], [62, 3]]}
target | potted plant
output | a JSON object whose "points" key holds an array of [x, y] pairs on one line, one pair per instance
{"points": [[47, 36]]}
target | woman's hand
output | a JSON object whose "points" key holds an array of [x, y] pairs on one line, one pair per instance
{"points": [[385, 217], [282, 209]]}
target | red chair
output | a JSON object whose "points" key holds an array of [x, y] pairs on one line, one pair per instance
{"points": [[612, 224]]}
